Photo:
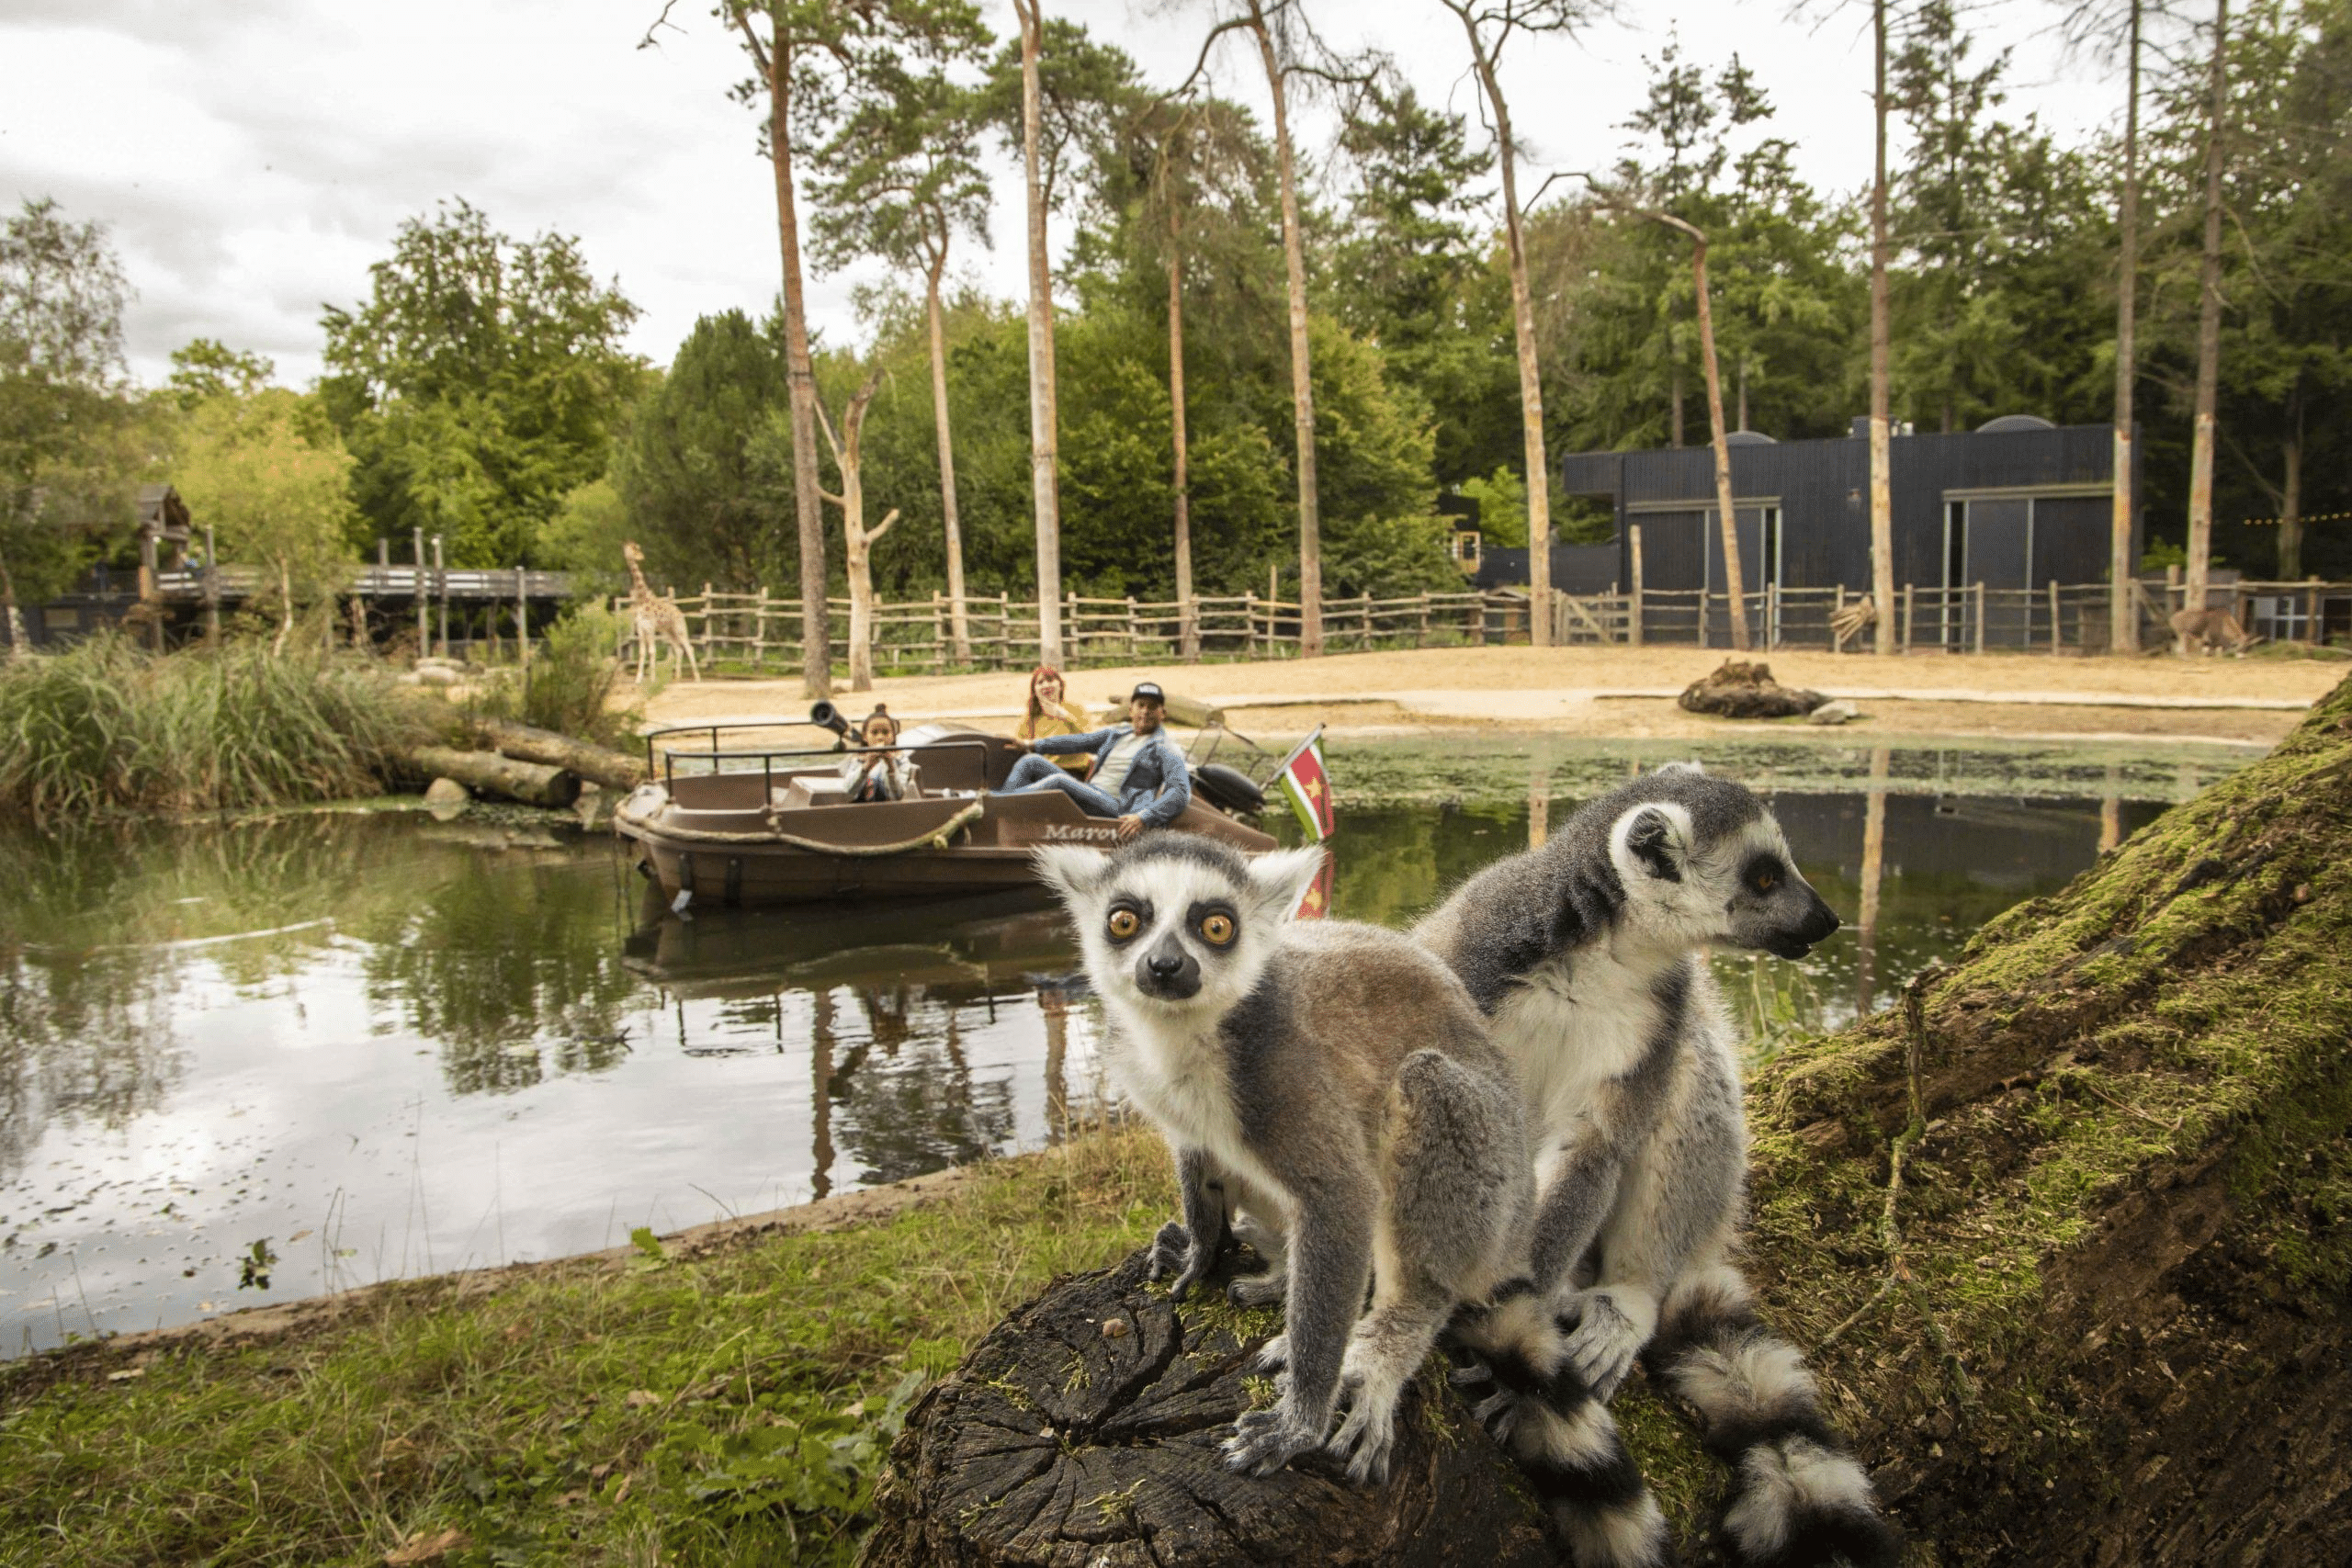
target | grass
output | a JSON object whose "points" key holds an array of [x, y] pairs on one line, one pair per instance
{"points": [[106, 727], [570, 685], [733, 1407]]}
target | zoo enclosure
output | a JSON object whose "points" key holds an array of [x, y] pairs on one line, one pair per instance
{"points": [[760, 631]]}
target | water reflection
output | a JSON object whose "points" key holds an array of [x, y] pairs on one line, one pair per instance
{"points": [[392, 1046]]}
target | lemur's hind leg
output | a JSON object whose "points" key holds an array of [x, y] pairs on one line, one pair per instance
{"points": [[1563, 1438], [1798, 1496], [1387, 1347]]}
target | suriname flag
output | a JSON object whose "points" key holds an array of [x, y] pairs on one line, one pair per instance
{"points": [[1309, 787]]}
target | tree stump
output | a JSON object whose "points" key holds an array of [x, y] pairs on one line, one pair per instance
{"points": [[1085, 1430], [1737, 689]]}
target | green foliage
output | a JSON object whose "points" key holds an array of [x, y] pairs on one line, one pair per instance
{"points": [[265, 472], [570, 683], [104, 727], [703, 504], [70, 450], [478, 385], [207, 368]]}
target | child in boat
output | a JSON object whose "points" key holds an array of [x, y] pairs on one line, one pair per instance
{"points": [[880, 773], [1048, 716]]}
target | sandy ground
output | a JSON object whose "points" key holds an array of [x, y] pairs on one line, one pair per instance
{"points": [[1621, 691]]}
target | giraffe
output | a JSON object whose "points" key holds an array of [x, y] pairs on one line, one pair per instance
{"points": [[656, 621]]}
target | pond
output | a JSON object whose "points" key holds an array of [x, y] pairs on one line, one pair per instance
{"points": [[252, 1062]]}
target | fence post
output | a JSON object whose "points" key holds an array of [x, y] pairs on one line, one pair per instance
{"points": [[522, 616], [1907, 616], [1421, 626], [1249, 626], [1131, 628], [1367, 621], [1980, 617], [441, 586], [1771, 615], [1478, 621], [1633, 605], [2054, 616], [760, 630]]}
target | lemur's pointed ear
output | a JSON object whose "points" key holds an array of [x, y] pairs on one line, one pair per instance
{"points": [[1070, 870], [1281, 878], [1657, 842]]}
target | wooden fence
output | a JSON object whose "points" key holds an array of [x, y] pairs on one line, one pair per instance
{"points": [[760, 631]]}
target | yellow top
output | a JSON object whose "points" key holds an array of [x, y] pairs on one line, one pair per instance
{"points": [[1059, 718]]}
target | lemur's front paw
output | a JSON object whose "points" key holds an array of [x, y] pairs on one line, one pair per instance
{"points": [[1172, 1252], [1366, 1438], [1607, 1336], [1265, 1440], [1258, 1290]]}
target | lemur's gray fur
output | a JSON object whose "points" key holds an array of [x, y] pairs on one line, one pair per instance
{"points": [[1588, 956], [1329, 1081]]}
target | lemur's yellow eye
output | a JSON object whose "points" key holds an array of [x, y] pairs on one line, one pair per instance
{"points": [[1766, 880], [1217, 929], [1124, 924]]}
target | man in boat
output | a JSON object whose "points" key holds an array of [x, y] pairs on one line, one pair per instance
{"points": [[1140, 776]]}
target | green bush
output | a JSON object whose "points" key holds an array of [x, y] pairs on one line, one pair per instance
{"points": [[106, 727], [569, 686]]}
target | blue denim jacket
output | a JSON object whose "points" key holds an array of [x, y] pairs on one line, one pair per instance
{"points": [[1159, 785]]}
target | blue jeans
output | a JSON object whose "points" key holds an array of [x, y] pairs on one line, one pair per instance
{"points": [[1033, 772]]}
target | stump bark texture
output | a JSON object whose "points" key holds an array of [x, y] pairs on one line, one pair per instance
{"points": [[533, 784], [1737, 689], [1084, 1432]]}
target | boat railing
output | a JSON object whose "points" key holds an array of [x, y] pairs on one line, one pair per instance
{"points": [[664, 760]]}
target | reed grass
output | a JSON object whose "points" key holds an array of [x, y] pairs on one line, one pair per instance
{"points": [[105, 727]]}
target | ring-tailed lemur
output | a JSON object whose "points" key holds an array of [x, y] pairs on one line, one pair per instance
{"points": [[1589, 957], [1333, 1080]]}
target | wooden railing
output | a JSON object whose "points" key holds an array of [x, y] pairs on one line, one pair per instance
{"points": [[760, 631]]}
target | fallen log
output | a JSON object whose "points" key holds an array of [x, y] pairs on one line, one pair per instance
{"points": [[1085, 1429], [613, 770], [533, 784]]}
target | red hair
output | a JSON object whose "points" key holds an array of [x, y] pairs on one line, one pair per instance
{"points": [[1036, 708]]}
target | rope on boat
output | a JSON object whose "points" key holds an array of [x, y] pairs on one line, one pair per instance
{"points": [[930, 838]]}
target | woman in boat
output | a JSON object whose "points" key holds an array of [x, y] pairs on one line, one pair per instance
{"points": [[1049, 715], [880, 773]]}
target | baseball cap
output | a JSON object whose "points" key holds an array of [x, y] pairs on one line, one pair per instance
{"points": [[1147, 689]]}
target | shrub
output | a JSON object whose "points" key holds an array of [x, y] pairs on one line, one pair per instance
{"points": [[570, 685], [106, 727]]}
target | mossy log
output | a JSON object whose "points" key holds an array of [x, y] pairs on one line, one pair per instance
{"points": [[615, 770], [533, 784], [1084, 1433], [2068, 1233]]}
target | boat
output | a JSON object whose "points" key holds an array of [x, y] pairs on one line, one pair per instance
{"points": [[733, 822]]}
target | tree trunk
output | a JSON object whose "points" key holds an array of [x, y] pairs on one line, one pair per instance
{"points": [[533, 784], [2123, 615], [1188, 633], [1044, 479], [525, 743], [1743, 392], [1734, 585], [1058, 1442], [1673, 394], [1882, 443], [817, 656], [2209, 329], [959, 623], [857, 540], [2291, 502], [1530, 384], [18, 647], [1302, 390]]}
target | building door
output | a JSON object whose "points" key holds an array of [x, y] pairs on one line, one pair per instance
{"points": [[1991, 542], [1760, 566], [1674, 574]]}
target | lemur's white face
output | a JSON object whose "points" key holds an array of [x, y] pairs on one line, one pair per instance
{"points": [[1172, 931], [1739, 887]]}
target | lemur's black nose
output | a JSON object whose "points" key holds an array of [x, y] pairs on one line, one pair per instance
{"points": [[1167, 966]]}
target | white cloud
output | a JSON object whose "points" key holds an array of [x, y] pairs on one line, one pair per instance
{"points": [[251, 160]]}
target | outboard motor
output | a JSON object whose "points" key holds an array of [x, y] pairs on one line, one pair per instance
{"points": [[1229, 789]]}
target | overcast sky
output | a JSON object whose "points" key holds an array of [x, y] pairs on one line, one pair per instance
{"points": [[252, 157]]}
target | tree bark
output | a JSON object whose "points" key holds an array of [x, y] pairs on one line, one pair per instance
{"points": [[2209, 327], [1735, 584], [2290, 500], [2123, 614], [1302, 390], [857, 540], [1044, 476], [775, 58], [1881, 442], [533, 784], [1530, 383], [1188, 633], [525, 743], [1057, 1442], [960, 622]]}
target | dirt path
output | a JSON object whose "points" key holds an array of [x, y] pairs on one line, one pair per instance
{"points": [[1628, 692]]}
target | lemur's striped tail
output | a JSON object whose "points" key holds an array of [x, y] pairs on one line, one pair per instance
{"points": [[1798, 1496], [1564, 1438]]}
